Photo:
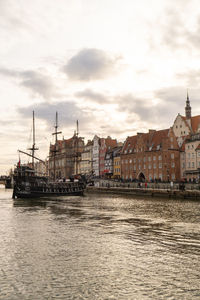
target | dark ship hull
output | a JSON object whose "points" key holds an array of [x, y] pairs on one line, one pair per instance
{"points": [[27, 185]]}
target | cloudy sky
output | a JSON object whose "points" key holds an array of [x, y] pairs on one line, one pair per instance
{"points": [[119, 67]]}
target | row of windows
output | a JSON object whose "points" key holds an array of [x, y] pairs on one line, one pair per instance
{"points": [[158, 147], [149, 166], [150, 177], [125, 161]]}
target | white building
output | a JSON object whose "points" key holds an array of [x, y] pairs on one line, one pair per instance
{"points": [[95, 155]]}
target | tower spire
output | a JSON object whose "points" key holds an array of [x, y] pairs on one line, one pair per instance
{"points": [[188, 108]]}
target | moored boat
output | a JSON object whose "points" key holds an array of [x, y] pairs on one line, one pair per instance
{"points": [[28, 184]]}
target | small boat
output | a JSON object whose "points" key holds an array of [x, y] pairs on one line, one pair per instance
{"points": [[27, 184]]}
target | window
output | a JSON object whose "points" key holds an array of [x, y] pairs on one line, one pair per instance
{"points": [[130, 161], [154, 158], [188, 155], [145, 166], [145, 158], [188, 147], [192, 164], [189, 165], [172, 155], [159, 157], [149, 158], [139, 167], [160, 165], [154, 166], [173, 176], [183, 165], [149, 166], [173, 165]]}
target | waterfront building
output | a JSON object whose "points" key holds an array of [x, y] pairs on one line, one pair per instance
{"points": [[65, 157], [106, 144], [41, 168], [186, 125], [86, 159], [151, 156], [192, 158], [186, 129], [112, 162], [95, 155]]}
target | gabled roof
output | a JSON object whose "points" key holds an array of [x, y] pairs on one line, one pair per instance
{"points": [[110, 143], [195, 122], [150, 140]]}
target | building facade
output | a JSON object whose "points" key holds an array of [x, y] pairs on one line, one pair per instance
{"points": [[95, 155], [151, 156], [106, 144], [86, 159], [65, 157]]}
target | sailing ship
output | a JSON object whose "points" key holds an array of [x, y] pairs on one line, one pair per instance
{"points": [[28, 184]]}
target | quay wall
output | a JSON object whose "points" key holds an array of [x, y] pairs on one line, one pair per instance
{"points": [[191, 191]]}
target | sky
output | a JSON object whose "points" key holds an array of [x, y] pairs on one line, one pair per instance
{"points": [[119, 67]]}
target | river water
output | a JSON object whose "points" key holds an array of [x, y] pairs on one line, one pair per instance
{"points": [[99, 247]]}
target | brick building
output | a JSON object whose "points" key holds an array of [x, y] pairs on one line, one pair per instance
{"points": [[151, 156]]}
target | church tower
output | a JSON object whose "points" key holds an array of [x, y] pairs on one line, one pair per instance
{"points": [[188, 108]]}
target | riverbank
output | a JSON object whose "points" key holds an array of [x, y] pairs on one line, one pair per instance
{"points": [[150, 192]]}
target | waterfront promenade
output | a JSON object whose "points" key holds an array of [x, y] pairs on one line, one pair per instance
{"points": [[191, 191]]}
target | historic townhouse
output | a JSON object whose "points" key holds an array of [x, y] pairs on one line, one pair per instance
{"points": [[151, 156], [112, 162], [109, 161], [65, 156], [186, 129], [192, 158], [106, 144], [86, 159], [95, 155]]}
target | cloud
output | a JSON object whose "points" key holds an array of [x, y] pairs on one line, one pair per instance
{"points": [[93, 96], [90, 64], [191, 77], [176, 32], [39, 84], [68, 113]]}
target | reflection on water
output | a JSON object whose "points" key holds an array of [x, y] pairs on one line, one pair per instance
{"points": [[99, 247]]}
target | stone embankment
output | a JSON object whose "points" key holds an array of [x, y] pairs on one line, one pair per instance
{"points": [[191, 191]]}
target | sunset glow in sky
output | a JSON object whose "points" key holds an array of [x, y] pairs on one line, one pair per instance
{"points": [[119, 67]]}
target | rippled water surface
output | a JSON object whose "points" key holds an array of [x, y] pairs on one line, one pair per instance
{"points": [[99, 247]]}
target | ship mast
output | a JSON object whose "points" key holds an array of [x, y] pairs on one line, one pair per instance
{"points": [[54, 150], [33, 148]]}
